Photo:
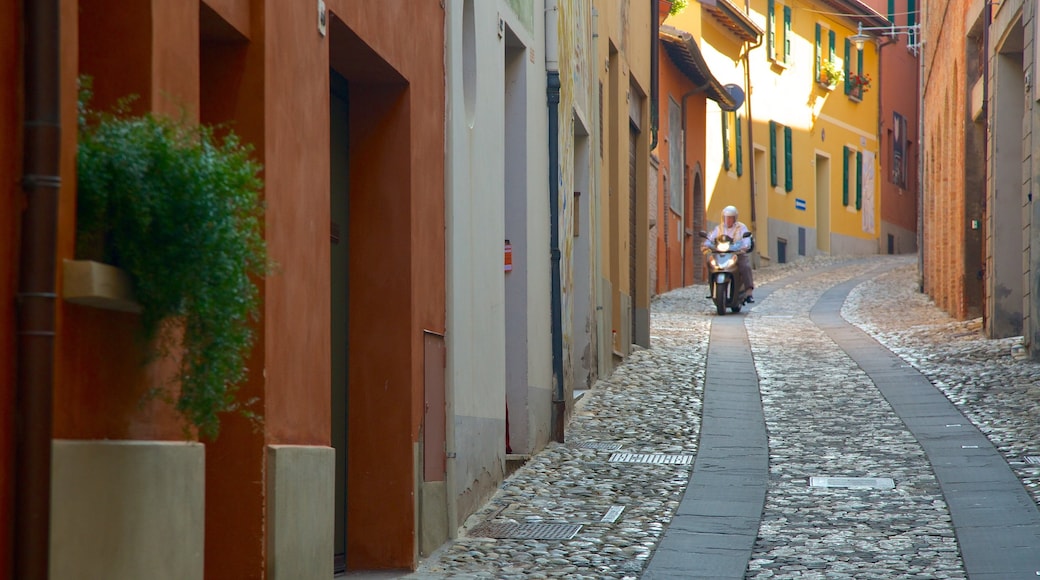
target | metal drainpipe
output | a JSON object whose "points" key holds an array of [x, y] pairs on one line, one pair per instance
{"points": [[552, 67], [35, 300], [655, 22]]}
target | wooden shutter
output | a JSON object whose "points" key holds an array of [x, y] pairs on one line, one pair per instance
{"points": [[771, 28], [819, 54], [725, 141], [740, 147], [845, 176], [848, 71], [787, 34], [788, 161], [859, 180], [892, 11], [772, 153], [832, 38]]}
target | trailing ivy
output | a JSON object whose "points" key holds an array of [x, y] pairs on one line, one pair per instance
{"points": [[179, 209]]}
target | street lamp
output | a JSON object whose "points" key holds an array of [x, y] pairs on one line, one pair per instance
{"points": [[912, 33]]}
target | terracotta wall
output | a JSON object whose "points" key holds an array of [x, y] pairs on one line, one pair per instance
{"points": [[100, 378], [673, 85], [231, 89], [10, 218], [396, 75]]}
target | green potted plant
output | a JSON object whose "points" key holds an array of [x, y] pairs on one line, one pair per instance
{"points": [[178, 208], [830, 74]]}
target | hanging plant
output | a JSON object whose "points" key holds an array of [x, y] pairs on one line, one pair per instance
{"points": [[677, 7], [179, 209]]}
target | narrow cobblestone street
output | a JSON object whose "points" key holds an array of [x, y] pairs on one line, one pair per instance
{"points": [[824, 417]]}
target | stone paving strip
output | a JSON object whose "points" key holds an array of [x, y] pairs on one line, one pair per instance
{"points": [[826, 419], [839, 427]]}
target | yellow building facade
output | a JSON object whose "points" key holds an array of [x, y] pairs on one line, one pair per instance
{"points": [[800, 159]]}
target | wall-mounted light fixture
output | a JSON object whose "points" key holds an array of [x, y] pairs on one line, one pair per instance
{"points": [[913, 34]]}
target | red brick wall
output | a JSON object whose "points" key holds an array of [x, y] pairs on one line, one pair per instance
{"points": [[944, 219]]}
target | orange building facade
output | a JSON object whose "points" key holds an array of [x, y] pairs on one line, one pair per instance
{"points": [[345, 110]]}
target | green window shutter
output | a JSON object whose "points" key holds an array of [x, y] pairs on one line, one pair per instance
{"points": [[725, 140], [772, 153], [787, 34], [859, 180], [845, 176], [771, 28], [819, 54], [788, 161], [859, 71], [740, 148], [848, 55], [892, 11], [912, 19], [833, 40]]}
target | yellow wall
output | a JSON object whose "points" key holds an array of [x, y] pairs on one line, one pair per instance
{"points": [[822, 123]]}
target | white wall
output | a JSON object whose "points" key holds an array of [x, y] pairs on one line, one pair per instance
{"points": [[476, 217]]}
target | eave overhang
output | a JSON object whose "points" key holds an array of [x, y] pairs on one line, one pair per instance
{"points": [[859, 13], [733, 19], [684, 52]]}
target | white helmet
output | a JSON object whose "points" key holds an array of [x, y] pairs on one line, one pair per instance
{"points": [[729, 210]]}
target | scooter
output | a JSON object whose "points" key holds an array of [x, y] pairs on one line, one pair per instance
{"points": [[727, 288]]}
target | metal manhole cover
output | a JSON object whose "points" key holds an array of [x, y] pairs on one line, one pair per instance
{"points": [[1032, 459], [658, 458], [854, 482], [526, 531], [600, 446]]}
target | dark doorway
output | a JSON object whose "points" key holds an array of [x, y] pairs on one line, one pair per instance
{"points": [[339, 181]]}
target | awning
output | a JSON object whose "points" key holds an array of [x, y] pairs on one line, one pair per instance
{"points": [[733, 19], [684, 52]]}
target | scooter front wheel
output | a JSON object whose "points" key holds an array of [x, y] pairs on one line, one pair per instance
{"points": [[721, 292]]}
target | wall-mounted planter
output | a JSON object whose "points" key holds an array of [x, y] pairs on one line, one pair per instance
{"points": [[98, 285]]}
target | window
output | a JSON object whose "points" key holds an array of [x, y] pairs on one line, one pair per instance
{"points": [[779, 36], [849, 157], [732, 155], [853, 70], [774, 154], [892, 11], [911, 19], [899, 150], [825, 55]]}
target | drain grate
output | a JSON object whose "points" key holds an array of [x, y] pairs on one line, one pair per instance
{"points": [[600, 446], [854, 482], [659, 458], [511, 531]]}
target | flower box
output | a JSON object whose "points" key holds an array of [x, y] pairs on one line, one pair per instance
{"points": [[98, 285]]}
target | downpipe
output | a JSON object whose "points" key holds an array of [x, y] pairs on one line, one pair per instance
{"points": [[36, 288], [552, 90]]}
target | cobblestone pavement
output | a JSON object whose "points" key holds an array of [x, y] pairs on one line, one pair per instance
{"points": [[824, 418]]}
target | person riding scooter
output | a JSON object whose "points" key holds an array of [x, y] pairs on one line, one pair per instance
{"points": [[735, 231]]}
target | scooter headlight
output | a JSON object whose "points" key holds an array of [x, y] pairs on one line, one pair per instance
{"points": [[722, 246]]}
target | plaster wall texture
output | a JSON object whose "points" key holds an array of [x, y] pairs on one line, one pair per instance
{"points": [[477, 216]]}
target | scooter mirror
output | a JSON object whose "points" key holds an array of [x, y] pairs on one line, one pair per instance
{"points": [[703, 234]]}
